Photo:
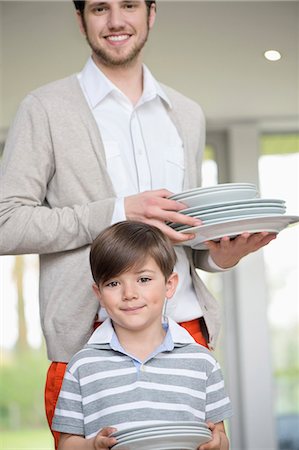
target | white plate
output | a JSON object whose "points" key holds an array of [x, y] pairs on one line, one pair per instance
{"points": [[216, 197], [138, 434], [243, 211], [162, 429], [232, 228], [150, 425], [165, 442], [231, 215], [234, 204], [217, 187]]}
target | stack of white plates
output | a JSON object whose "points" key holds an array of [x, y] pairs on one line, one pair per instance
{"points": [[229, 210], [163, 436]]}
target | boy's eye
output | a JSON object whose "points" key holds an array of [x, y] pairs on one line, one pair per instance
{"points": [[112, 284], [144, 279]]}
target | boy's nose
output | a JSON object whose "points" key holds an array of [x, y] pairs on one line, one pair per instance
{"points": [[130, 292]]}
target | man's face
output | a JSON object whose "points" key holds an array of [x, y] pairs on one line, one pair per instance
{"points": [[116, 30]]}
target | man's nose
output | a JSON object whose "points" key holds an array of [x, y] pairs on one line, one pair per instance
{"points": [[115, 18]]}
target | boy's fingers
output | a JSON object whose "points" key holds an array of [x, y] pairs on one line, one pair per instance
{"points": [[107, 431]]}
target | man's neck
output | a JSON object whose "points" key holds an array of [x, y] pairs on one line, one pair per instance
{"points": [[129, 79]]}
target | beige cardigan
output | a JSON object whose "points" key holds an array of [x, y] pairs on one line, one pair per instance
{"points": [[56, 196]]}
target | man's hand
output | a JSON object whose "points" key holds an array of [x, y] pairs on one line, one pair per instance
{"points": [[155, 208], [219, 439], [227, 252]]}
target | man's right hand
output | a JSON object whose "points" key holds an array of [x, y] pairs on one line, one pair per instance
{"points": [[155, 208]]}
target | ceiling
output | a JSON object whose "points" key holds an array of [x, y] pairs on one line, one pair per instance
{"points": [[210, 50]]}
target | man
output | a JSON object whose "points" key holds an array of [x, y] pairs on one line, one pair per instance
{"points": [[96, 148]]}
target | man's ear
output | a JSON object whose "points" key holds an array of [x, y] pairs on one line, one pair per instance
{"points": [[152, 16], [171, 285], [96, 290], [80, 21]]}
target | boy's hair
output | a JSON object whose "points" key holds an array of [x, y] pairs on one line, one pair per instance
{"points": [[80, 5], [128, 244]]}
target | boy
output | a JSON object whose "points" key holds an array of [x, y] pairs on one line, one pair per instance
{"points": [[138, 366]]}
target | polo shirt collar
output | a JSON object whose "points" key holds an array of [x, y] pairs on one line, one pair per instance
{"points": [[179, 336], [97, 86]]}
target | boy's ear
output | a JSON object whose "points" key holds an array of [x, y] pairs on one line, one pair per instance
{"points": [[171, 285], [96, 290]]}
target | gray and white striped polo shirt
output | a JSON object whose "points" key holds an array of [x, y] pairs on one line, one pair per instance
{"points": [[104, 386]]}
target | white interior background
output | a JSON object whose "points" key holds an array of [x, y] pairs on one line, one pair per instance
{"points": [[211, 51]]}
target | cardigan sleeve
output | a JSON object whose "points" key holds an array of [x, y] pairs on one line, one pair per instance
{"points": [[27, 222]]}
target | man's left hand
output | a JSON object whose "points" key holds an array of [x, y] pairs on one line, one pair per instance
{"points": [[227, 252]]}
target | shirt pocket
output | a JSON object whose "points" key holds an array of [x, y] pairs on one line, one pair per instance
{"points": [[175, 168], [117, 168]]}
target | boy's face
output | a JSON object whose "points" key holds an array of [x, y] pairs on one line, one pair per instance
{"points": [[116, 30], [134, 300]]}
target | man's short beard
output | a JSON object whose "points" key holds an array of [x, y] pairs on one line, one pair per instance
{"points": [[109, 60]]}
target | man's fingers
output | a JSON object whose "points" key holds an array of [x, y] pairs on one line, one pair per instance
{"points": [[173, 235], [175, 217]]}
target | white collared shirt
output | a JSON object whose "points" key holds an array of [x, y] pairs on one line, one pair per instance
{"points": [[143, 152]]}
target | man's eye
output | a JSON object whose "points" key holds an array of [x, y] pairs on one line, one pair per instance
{"points": [[130, 5], [100, 9]]}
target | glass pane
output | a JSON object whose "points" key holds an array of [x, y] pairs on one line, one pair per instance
{"points": [[279, 179], [209, 167], [213, 281]]}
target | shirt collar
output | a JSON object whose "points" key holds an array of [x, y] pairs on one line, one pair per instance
{"points": [[97, 86], [151, 88], [105, 334]]}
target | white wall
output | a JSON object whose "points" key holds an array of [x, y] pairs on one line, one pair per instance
{"points": [[1, 72], [211, 51]]}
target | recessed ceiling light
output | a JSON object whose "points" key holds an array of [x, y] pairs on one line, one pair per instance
{"points": [[272, 55]]}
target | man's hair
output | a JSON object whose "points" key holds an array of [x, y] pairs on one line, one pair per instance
{"points": [[80, 5], [126, 245]]}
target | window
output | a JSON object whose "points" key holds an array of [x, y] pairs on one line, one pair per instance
{"points": [[278, 170]]}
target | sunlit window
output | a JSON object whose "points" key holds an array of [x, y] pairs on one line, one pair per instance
{"points": [[278, 170]]}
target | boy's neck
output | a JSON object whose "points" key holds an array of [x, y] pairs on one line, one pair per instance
{"points": [[141, 343]]}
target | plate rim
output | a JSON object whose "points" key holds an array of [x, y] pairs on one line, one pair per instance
{"points": [[288, 218], [246, 202], [222, 186], [162, 423], [137, 440]]}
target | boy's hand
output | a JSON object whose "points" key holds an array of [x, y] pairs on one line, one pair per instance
{"points": [[102, 440], [219, 439]]}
